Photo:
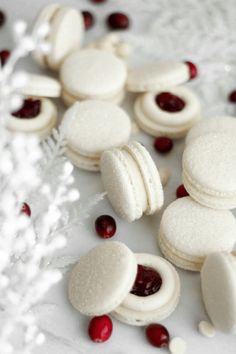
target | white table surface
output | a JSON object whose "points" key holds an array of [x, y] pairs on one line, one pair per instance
{"points": [[67, 330]]}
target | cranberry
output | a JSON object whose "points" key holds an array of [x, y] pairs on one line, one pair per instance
{"points": [[193, 71], [157, 335], [169, 102], [88, 19], [232, 96], [2, 18], [148, 281], [163, 144], [100, 329], [181, 192], [118, 21], [105, 226], [30, 109], [4, 55], [25, 209]]}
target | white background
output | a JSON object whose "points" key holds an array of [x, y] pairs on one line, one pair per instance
{"points": [[65, 327]]}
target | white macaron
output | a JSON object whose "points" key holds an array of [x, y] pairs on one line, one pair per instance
{"points": [[93, 74], [37, 116], [41, 86], [171, 113], [142, 310], [189, 232], [108, 273], [92, 127], [218, 280], [157, 76], [222, 124], [209, 170], [66, 34], [132, 181]]}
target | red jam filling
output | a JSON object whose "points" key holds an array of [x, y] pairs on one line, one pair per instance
{"points": [[169, 102], [30, 109], [148, 281]]}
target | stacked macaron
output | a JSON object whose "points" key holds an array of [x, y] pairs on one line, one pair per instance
{"points": [[38, 115], [163, 108], [110, 276]]}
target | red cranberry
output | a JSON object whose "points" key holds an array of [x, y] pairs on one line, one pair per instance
{"points": [[2, 18], [181, 192], [98, 1], [118, 21], [88, 19], [193, 71], [232, 96], [4, 56], [148, 282], [105, 226], [100, 329], [169, 102], [163, 144], [30, 109], [157, 335], [25, 209]]}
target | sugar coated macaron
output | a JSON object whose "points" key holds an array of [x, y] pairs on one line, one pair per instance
{"points": [[139, 308], [157, 76], [92, 127], [167, 113], [93, 74], [137, 289], [218, 280], [189, 232], [224, 124], [132, 181], [209, 170], [37, 116], [66, 34]]}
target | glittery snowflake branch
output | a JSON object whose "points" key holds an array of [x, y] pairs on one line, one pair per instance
{"points": [[26, 243]]}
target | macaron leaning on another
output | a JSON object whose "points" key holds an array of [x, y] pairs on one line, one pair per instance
{"points": [[189, 232], [38, 115], [92, 127], [93, 74], [66, 34], [111, 273], [209, 170], [132, 181], [218, 280]]}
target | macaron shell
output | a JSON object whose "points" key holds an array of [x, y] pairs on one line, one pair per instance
{"points": [[150, 176], [93, 73], [224, 124], [46, 118], [203, 231], [120, 183], [83, 162], [209, 162], [218, 280], [69, 100], [67, 32], [107, 274], [159, 76], [189, 113], [41, 86], [45, 16], [95, 126], [155, 129]]}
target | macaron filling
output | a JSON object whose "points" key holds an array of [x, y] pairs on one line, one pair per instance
{"points": [[148, 281], [169, 102], [31, 109]]}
